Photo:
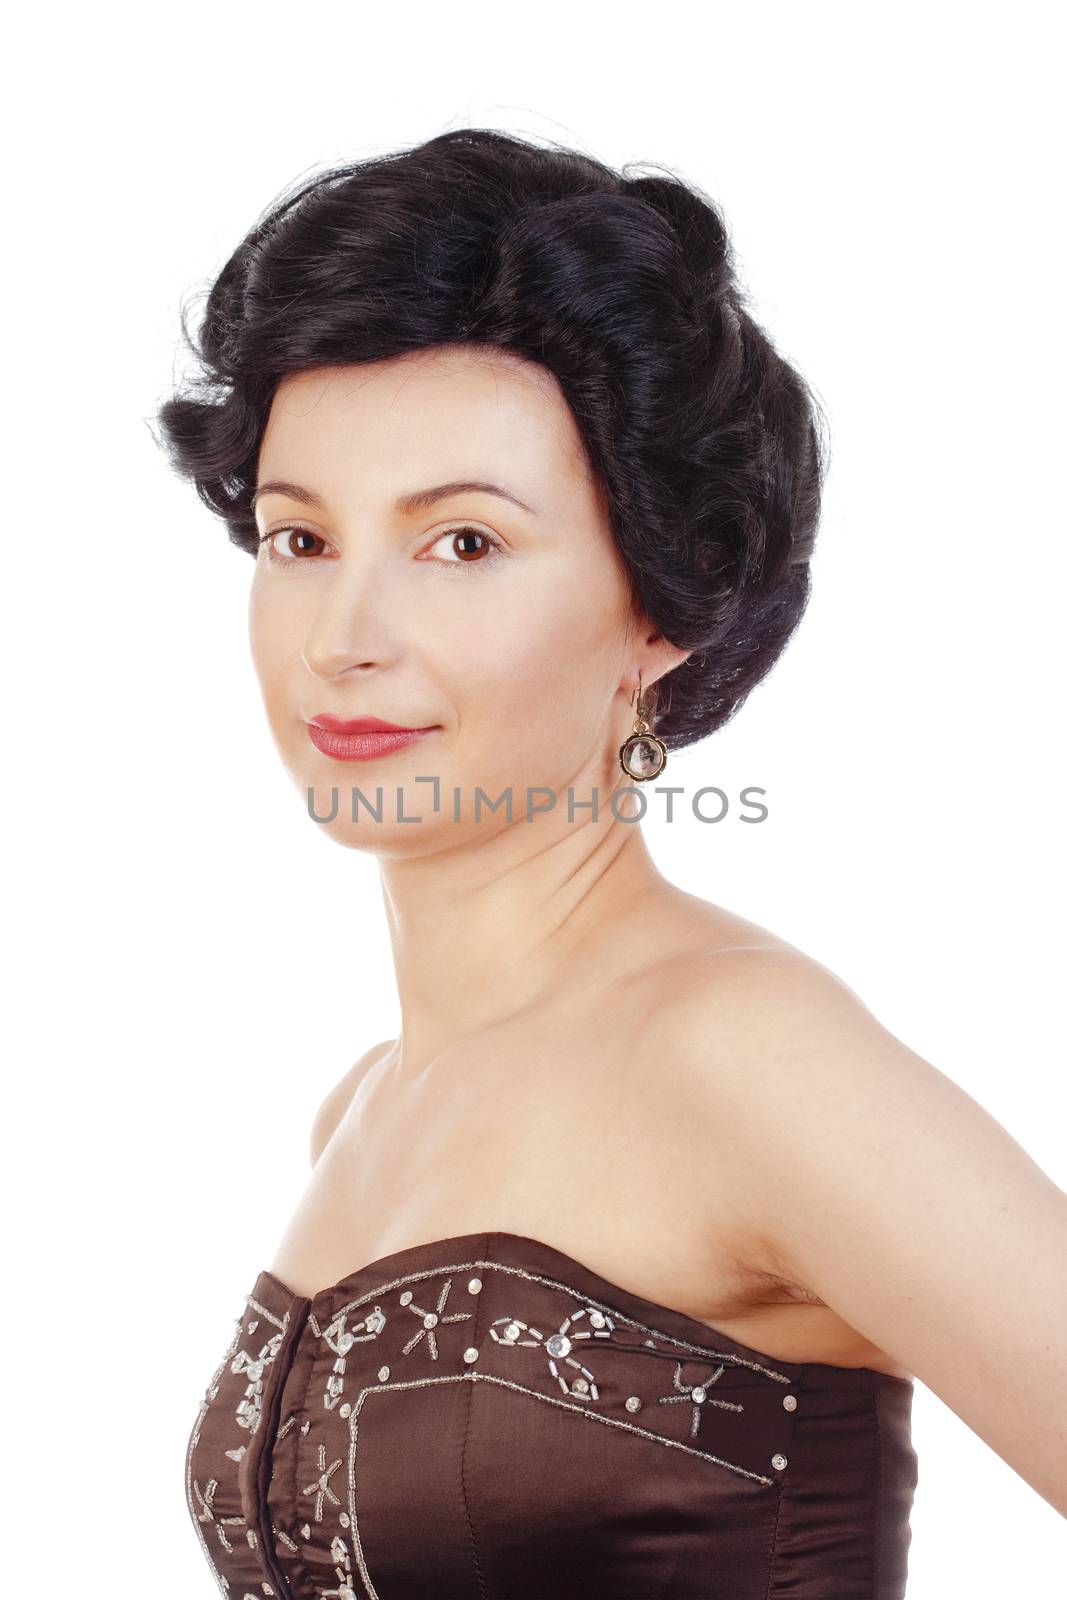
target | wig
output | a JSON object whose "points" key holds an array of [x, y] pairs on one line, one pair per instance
{"points": [[707, 444]]}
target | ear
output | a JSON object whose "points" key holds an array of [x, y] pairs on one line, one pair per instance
{"points": [[654, 656]]}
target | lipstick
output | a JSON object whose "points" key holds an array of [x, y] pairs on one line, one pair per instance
{"points": [[360, 738]]}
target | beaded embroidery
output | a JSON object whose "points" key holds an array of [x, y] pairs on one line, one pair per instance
{"points": [[340, 1340], [251, 1404], [321, 1486], [430, 1319], [697, 1394], [559, 1344], [569, 1356], [206, 1512]]}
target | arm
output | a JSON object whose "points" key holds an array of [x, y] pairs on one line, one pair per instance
{"points": [[336, 1103], [873, 1179]]}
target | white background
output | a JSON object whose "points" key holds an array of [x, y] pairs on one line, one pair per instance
{"points": [[194, 963]]}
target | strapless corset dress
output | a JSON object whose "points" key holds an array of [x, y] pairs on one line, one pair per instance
{"points": [[417, 1431]]}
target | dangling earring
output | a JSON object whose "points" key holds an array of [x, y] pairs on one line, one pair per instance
{"points": [[643, 756]]}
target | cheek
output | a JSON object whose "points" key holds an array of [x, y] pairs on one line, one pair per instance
{"points": [[257, 633], [262, 638], [275, 636], [542, 666]]}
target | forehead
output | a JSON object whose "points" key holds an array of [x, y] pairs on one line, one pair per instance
{"points": [[455, 408]]}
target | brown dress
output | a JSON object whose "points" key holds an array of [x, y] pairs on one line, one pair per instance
{"points": [[416, 1432]]}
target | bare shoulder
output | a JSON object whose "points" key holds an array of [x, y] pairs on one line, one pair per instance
{"points": [[768, 1047], [336, 1103], [770, 986], [827, 1135], [872, 1179]]}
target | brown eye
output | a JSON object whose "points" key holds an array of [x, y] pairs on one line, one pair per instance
{"points": [[299, 541], [468, 546]]}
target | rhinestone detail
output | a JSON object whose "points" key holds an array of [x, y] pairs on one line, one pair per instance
{"points": [[569, 1350]]}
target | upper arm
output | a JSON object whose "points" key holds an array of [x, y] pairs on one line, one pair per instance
{"points": [[336, 1103], [876, 1181]]}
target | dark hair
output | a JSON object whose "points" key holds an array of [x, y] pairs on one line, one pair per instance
{"points": [[707, 443]]}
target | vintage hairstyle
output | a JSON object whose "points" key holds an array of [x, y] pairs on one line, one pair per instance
{"points": [[708, 444]]}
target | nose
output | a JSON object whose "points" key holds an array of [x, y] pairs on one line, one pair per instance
{"points": [[347, 632]]}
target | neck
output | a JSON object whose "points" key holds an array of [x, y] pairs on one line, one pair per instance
{"points": [[482, 932]]}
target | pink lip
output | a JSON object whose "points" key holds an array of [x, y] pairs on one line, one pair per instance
{"points": [[359, 724], [360, 738]]}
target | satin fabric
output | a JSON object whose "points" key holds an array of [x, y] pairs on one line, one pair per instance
{"points": [[484, 1418]]}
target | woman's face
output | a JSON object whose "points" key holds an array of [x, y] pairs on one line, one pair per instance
{"points": [[506, 629]]}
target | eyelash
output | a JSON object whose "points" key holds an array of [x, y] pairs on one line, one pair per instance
{"points": [[275, 560]]}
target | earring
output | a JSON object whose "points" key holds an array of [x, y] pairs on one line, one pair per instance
{"points": [[643, 756]]}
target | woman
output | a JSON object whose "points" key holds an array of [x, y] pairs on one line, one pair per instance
{"points": [[532, 501]]}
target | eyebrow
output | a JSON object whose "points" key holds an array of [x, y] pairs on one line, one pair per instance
{"points": [[417, 500]]}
